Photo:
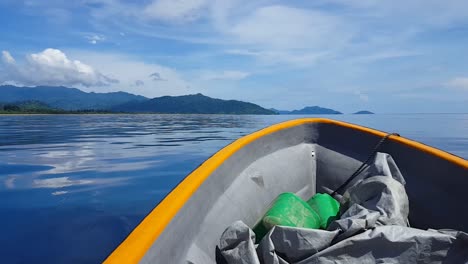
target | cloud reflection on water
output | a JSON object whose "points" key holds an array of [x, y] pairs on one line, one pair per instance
{"points": [[59, 182]]}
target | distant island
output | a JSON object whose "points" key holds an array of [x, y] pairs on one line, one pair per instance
{"points": [[363, 112], [63, 100], [309, 110]]}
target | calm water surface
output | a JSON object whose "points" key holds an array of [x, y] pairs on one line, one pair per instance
{"points": [[73, 186]]}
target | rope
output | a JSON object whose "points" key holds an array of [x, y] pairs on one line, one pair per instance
{"points": [[363, 165]]}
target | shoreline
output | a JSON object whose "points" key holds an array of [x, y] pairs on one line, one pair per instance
{"points": [[34, 114]]}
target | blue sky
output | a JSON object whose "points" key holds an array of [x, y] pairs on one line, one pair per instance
{"points": [[384, 56]]}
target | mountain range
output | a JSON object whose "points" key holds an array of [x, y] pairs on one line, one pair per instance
{"points": [[66, 98], [58, 99], [72, 99], [192, 104]]}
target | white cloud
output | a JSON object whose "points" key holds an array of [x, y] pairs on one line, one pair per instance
{"points": [[179, 11], [416, 12], [296, 35], [94, 39], [282, 35], [51, 67], [281, 57], [224, 75], [7, 58], [389, 54], [139, 79], [283, 27], [460, 83]]}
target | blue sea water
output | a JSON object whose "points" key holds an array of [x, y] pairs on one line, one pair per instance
{"points": [[72, 187]]}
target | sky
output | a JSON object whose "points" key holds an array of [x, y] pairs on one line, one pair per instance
{"points": [[384, 56]]}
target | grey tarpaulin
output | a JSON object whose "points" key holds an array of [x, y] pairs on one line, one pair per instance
{"points": [[373, 228]]}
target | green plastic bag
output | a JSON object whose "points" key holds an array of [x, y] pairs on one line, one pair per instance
{"points": [[326, 207], [287, 210]]}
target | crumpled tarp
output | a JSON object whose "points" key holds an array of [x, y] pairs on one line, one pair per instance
{"points": [[373, 228]]}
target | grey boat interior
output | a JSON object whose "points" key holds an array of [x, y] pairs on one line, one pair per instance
{"points": [[305, 159]]}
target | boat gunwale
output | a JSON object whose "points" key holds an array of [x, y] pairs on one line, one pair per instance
{"points": [[143, 236]]}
